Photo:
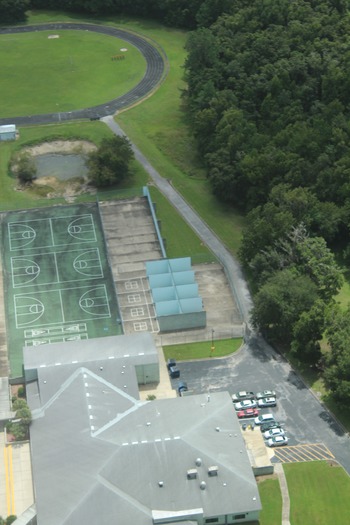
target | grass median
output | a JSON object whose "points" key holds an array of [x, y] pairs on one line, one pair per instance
{"points": [[202, 350]]}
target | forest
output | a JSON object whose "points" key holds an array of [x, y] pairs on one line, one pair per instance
{"points": [[267, 99]]}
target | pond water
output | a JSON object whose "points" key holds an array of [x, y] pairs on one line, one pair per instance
{"points": [[63, 167]]}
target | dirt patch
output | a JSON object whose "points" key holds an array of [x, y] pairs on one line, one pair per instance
{"points": [[61, 146]]}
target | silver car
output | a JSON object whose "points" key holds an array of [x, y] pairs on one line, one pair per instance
{"points": [[277, 441], [273, 432], [247, 403], [265, 393], [267, 402]]}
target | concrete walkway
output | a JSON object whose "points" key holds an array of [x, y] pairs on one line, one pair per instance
{"points": [[16, 486], [284, 492]]}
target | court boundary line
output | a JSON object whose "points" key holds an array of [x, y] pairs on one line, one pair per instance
{"points": [[107, 315], [50, 221], [59, 280]]}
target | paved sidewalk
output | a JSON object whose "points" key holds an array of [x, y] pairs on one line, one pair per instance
{"points": [[284, 492], [16, 486]]}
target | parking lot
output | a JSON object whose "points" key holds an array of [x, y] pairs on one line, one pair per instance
{"points": [[312, 431]]}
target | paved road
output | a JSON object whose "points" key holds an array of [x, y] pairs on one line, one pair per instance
{"points": [[155, 72], [257, 366]]}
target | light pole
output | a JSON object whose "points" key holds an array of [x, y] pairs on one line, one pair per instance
{"points": [[212, 342]]}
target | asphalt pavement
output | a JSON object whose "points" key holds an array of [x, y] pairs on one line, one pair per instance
{"points": [[257, 366]]}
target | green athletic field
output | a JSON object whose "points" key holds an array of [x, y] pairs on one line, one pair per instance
{"points": [[58, 285], [41, 74]]}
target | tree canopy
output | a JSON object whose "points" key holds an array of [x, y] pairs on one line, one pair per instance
{"points": [[12, 11], [110, 164]]}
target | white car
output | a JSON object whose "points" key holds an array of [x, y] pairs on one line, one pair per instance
{"points": [[277, 441], [267, 402], [265, 393], [247, 403], [273, 432], [264, 418]]}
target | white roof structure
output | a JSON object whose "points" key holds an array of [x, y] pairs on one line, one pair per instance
{"points": [[8, 128], [100, 455]]}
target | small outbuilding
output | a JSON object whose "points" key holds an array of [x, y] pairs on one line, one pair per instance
{"points": [[8, 132]]}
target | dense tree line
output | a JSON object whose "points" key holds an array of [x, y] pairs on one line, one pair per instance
{"points": [[188, 14], [269, 100], [178, 13], [13, 11]]}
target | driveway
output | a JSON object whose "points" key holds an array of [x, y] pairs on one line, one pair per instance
{"points": [[256, 366]]}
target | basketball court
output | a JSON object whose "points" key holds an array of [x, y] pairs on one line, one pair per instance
{"points": [[58, 283]]}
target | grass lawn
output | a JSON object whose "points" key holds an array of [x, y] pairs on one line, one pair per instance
{"points": [[184, 352], [155, 132], [163, 136], [271, 500], [319, 493], [11, 199], [181, 241], [74, 71]]}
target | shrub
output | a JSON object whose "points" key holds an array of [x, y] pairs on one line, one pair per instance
{"points": [[26, 170]]}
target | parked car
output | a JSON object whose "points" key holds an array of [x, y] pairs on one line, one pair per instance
{"points": [[248, 412], [170, 363], [267, 402], [174, 372], [240, 396], [268, 425], [246, 403], [273, 432], [182, 387], [277, 441], [265, 393], [263, 418]]}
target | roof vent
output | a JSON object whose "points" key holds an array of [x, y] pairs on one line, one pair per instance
{"points": [[213, 470], [198, 462], [192, 473], [161, 483], [203, 485]]}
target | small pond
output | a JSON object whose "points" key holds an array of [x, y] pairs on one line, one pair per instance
{"points": [[63, 167]]}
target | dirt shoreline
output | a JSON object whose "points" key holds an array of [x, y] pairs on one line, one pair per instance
{"points": [[68, 189], [61, 146]]}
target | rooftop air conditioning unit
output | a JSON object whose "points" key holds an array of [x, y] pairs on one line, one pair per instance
{"points": [[192, 473]]}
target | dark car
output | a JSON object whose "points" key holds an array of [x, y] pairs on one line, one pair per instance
{"points": [[268, 425], [182, 387], [170, 363], [174, 372], [242, 395]]}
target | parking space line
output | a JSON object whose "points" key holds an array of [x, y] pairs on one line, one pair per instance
{"points": [[304, 452], [10, 489], [327, 453]]}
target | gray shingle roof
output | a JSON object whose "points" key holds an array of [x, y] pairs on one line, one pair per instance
{"points": [[100, 455]]}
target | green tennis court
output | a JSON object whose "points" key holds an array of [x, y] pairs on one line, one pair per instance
{"points": [[57, 281]]}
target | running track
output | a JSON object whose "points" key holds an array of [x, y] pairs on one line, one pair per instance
{"points": [[155, 72]]}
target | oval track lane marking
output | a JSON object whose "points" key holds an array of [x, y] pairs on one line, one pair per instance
{"points": [[154, 75]]}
